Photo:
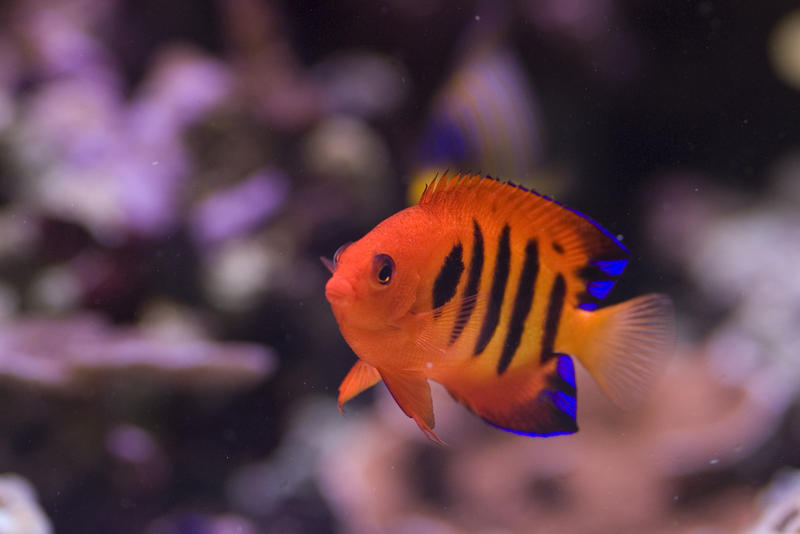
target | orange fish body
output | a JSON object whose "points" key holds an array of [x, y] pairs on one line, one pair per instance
{"points": [[488, 289]]}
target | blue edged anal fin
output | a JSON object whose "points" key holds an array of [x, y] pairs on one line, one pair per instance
{"points": [[362, 376], [543, 404], [412, 393]]}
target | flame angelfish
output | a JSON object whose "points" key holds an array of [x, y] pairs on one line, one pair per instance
{"points": [[490, 289]]}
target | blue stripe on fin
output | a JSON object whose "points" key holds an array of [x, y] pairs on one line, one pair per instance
{"points": [[599, 288], [611, 267], [533, 434], [587, 306], [566, 403], [553, 409], [566, 369]]}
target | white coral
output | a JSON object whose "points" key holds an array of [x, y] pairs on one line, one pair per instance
{"points": [[20, 513]]}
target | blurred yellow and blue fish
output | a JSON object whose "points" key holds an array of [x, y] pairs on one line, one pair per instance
{"points": [[484, 118]]}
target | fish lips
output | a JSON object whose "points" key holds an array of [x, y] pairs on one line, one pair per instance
{"points": [[339, 291]]}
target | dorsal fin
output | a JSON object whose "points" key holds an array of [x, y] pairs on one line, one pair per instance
{"points": [[583, 248]]}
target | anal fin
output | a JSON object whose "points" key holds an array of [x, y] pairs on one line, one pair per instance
{"points": [[362, 376], [543, 405], [413, 394]]}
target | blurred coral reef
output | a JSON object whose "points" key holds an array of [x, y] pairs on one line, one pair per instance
{"points": [[170, 173], [20, 513]]}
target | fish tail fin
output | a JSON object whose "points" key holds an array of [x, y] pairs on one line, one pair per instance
{"points": [[625, 346]]}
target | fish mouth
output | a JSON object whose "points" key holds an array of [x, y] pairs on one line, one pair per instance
{"points": [[339, 291]]}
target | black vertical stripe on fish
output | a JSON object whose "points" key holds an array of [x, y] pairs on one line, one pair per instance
{"points": [[502, 265], [522, 305], [444, 288], [473, 283], [554, 307]]}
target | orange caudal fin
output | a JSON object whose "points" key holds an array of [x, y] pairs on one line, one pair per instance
{"points": [[625, 346], [362, 376], [413, 394]]}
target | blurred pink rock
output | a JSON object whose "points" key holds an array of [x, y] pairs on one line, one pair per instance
{"points": [[239, 208], [73, 353]]}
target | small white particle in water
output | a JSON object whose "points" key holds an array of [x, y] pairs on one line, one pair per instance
{"points": [[429, 365], [477, 17], [675, 498], [714, 461], [155, 163], [619, 237]]}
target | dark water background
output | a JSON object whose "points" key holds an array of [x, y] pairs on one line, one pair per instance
{"points": [[170, 173]]}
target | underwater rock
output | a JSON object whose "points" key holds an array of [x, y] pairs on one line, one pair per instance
{"points": [[376, 473], [182, 85], [780, 502], [59, 38], [236, 274], [349, 153], [194, 523], [9, 301], [583, 28], [269, 72], [20, 231], [56, 288], [361, 83], [239, 208], [140, 462], [70, 353], [260, 488], [88, 156], [728, 253], [20, 513], [346, 148]]}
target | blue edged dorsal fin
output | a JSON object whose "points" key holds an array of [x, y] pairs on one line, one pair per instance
{"points": [[571, 242]]}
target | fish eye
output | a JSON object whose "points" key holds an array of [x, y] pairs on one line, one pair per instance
{"points": [[384, 268], [338, 254]]}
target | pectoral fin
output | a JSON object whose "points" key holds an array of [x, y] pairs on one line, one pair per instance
{"points": [[361, 376], [413, 394]]}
